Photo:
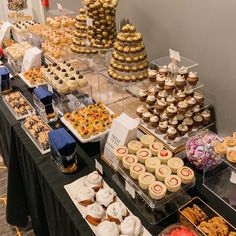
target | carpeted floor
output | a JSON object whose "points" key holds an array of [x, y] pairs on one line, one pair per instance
{"points": [[6, 229]]}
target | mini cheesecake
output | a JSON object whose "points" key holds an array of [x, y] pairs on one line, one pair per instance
{"points": [[186, 174], [128, 160], [155, 148], [134, 146], [162, 172], [157, 190], [164, 155], [145, 179], [143, 154], [120, 152], [175, 163], [136, 169], [173, 183], [152, 163], [146, 140]]}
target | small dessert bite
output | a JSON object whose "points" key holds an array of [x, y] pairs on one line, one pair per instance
{"points": [[116, 212], [169, 86], [131, 226], [105, 197], [192, 78], [145, 179], [231, 156], [94, 181], [182, 107], [206, 115], [173, 183], [157, 190], [180, 96], [143, 154], [183, 129], [162, 172], [180, 82], [164, 155], [140, 110], [152, 74], [128, 160], [175, 163], [171, 110], [230, 142], [198, 120], [134, 146], [186, 174], [95, 214], [146, 140], [146, 116], [163, 70], [155, 148], [163, 126], [171, 133], [107, 228], [189, 123], [183, 71], [160, 79], [173, 122], [151, 99], [191, 102], [220, 148], [136, 169], [154, 121], [143, 95], [160, 105], [152, 163], [198, 95], [120, 152], [85, 196]]}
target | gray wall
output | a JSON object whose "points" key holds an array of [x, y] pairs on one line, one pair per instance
{"points": [[201, 30]]}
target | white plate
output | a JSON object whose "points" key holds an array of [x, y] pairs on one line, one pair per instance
{"points": [[21, 75], [73, 187]]}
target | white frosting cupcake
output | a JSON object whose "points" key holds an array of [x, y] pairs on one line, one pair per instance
{"points": [[131, 226], [107, 228]]}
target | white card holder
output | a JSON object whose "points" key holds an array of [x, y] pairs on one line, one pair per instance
{"points": [[5, 31]]}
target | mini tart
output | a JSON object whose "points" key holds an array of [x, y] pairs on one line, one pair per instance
{"points": [[186, 174], [164, 155], [155, 148], [230, 142], [107, 228], [143, 154], [128, 160], [152, 163], [175, 163], [146, 140], [157, 190], [94, 181], [231, 156], [162, 172], [95, 214], [105, 196], [120, 152], [145, 179], [85, 196], [136, 169], [220, 148], [134, 146], [116, 212], [173, 183]]}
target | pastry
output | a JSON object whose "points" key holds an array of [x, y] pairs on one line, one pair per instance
{"points": [[152, 74], [161, 80], [143, 154], [180, 82], [171, 133], [160, 105], [116, 212], [146, 116], [140, 110], [162, 172], [128, 160], [182, 106], [173, 183], [134, 146], [155, 148], [136, 169], [95, 214], [152, 163], [220, 148], [189, 123], [191, 101], [151, 99], [180, 96], [198, 95], [154, 121], [170, 99], [186, 174], [171, 110], [173, 122], [85, 196], [120, 152], [94, 181], [145, 179], [183, 71], [163, 117], [231, 156], [107, 228], [169, 86], [157, 190], [162, 94], [192, 78], [146, 140], [164, 155], [143, 95], [163, 70], [197, 120], [206, 115], [153, 90], [175, 163], [230, 142], [183, 129], [131, 226], [105, 197], [163, 126]]}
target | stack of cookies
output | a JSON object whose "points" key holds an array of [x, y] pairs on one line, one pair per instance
{"points": [[129, 59], [80, 35], [102, 28]]}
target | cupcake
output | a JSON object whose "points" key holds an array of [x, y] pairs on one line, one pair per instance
{"points": [[189, 123], [95, 214], [180, 82], [154, 121], [140, 110], [153, 90], [94, 181], [164, 116], [183, 71], [198, 95], [182, 107], [163, 70], [196, 109], [189, 114], [169, 86], [183, 129], [142, 95], [170, 99], [173, 122], [180, 96], [159, 89], [163, 126], [180, 118], [162, 94], [151, 99], [198, 120], [192, 78], [171, 111], [206, 115], [146, 116], [161, 80], [191, 102], [160, 105], [188, 90], [152, 74], [85, 196], [171, 133]]}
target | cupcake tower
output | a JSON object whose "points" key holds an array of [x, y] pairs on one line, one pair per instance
{"points": [[102, 31], [80, 35], [153, 167], [172, 106], [129, 59]]}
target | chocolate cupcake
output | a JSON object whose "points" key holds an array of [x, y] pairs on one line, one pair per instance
{"points": [[192, 78]]}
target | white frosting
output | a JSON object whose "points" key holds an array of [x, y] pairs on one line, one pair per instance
{"points": [[183, 104], [142, 93], [171, 130], [160, 78], [85, 193], [172, 108], [162, 94], [162, 102], [117, 210], [154, 119], [131, 226], [163, 124], [163, 69], [191, 101], [107, 228], [95, 210], [105, 196], [180, 78], [192, 74], [151, 97], [93, 180], [170, 99], [146, 114], [206, 113], [183, 70], [141, 109], [170, 82]]}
